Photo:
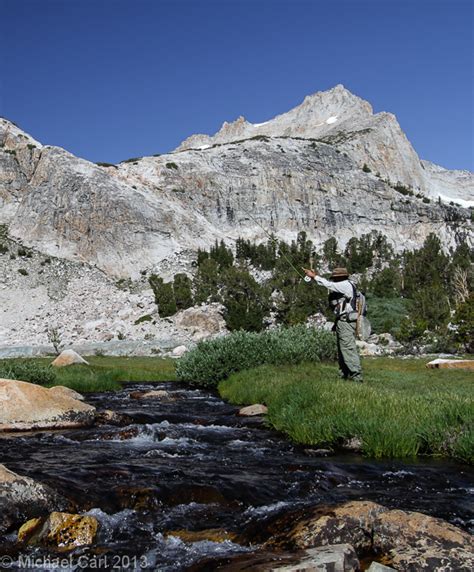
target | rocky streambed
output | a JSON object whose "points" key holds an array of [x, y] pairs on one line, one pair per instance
{"points": [[178, 481]]}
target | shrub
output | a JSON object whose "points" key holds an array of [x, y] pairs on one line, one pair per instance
{"points": [[212, 361], [27, 371], [23, 271], [172, 166], [132, 160], [366, 168], [102, 164], [387, 315], [142, 319]]}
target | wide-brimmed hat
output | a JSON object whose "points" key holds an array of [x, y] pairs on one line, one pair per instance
{"points": [[340, 273]]}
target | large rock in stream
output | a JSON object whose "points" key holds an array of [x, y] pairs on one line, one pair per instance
{"points": [[22, 498], [26, 406], [408, 541]]}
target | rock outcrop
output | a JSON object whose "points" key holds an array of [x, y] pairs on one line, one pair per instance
{"points": [[300, 170], [73, 234], [26, 406], [407, 540]]}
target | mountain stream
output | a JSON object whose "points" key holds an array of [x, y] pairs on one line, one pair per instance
{"points": [[190, 463]]}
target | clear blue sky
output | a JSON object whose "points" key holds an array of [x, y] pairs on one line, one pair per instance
{"points": [[113, 79]]}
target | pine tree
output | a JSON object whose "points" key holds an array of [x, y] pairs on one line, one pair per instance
{"points": [[164, 296], [245, 301], [182, 291], [207, 282]]}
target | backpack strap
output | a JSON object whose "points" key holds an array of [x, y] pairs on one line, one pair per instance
{"points": [[354, 296]]}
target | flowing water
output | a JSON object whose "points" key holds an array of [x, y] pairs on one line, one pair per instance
{"points": [[192, 464]]}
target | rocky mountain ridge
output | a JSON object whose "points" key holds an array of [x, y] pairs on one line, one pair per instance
{"points": [[359, 174], [329, 167]]}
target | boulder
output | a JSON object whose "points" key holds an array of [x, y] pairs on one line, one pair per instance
{"points": [[408, 540], [414, 539], [109, 417], [251, 410], [179, 351], [68, 357], [451, 364], [203, 321], [26, 406], [61, 530], [367, 349], [66, 392], [22, 497], [152, 394]]}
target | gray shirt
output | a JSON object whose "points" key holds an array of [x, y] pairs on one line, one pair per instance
{"points": [[344, 288]]}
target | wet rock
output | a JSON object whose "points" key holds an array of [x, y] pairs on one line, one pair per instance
{"points": [[331, 558], [124, 435], [66, 392], [153, 394], [30, 527], [202, 494], [109, 417], [137, 498], [251, 410], [26, 406], [335, 558], [354, 444], [210, 534], [68, 357], [350, 523], [22, 498], [414, 539], [409, 540], [61, 530], [319, 452]]}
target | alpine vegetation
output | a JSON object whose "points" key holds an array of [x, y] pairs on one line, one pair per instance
{"points": [[214, 360]]}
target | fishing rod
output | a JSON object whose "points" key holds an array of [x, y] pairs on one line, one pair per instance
{"points": [[274, 240]]}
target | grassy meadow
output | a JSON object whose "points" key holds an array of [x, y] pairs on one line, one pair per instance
{"points": [[105, 373], [402, 409]]}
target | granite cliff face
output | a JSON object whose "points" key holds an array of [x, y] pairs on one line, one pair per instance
{"points": [[301, 170], [70, 230]]}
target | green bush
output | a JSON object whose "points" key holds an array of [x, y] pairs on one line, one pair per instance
{"points": [[387, 314], [214, 360], [27, 371]]}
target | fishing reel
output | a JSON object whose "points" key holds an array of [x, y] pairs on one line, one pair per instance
{"points": [[307, 279]]}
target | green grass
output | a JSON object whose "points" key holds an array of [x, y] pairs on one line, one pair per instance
{"points": [[401, 410], [107, 373]]}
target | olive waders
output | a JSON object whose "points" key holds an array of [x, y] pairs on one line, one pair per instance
{"points": [[347, 353]]}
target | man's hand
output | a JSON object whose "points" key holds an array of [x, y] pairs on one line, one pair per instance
{"points": [[310, 273]]}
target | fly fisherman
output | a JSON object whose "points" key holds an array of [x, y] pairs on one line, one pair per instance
{"points": [[341, 299]]}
